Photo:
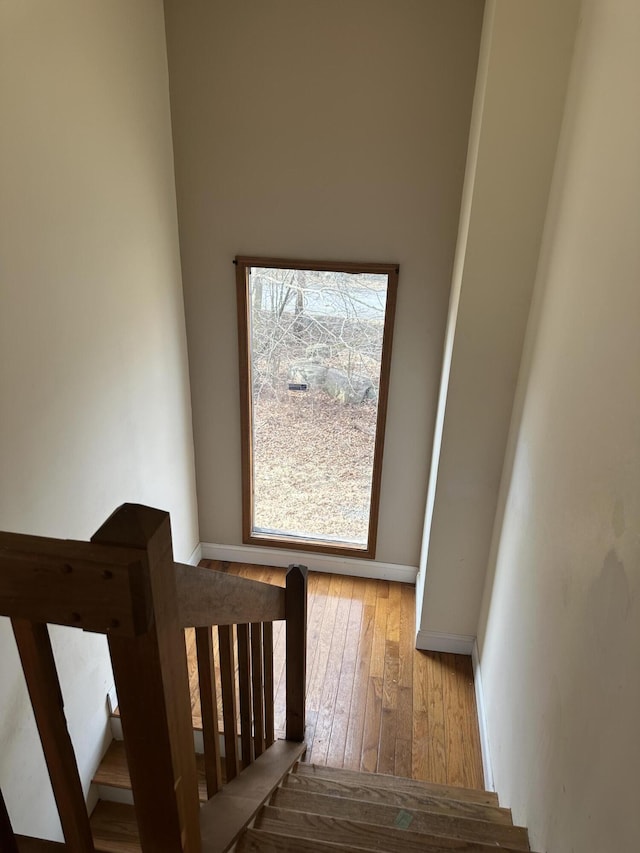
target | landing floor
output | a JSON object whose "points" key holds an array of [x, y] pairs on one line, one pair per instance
{"points": [[373, 702]]}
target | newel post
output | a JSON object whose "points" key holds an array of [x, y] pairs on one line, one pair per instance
{"points": [[296, 613], [152, 683]]}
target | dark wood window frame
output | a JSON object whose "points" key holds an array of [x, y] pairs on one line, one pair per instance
{"points": [[285, 541]]}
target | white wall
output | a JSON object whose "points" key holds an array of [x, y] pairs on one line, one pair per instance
{"points": [[93, 372], [560, 630], [517, 115], [336, 130]]}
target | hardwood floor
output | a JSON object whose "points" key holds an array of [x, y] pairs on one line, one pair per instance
{"points": [[374, 703]]}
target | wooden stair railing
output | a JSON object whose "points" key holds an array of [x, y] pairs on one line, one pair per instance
{"points": [[125, 584], [238, 599]]}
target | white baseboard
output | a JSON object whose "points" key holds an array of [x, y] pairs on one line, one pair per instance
{"points": [[198, 742], [482, 720], [110, 794], [112, 699], [116, 727], [196, 555], [314, 562], [436, 641]]}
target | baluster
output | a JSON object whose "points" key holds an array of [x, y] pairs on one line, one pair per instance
{"points": [[229, 707], [209, 710], [244, 682], [36, 654], [267, 640], [258, 688]]}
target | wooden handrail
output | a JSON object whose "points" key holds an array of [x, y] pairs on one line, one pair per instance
{"points": [[103, 588], [210, 597], [227, 814]]}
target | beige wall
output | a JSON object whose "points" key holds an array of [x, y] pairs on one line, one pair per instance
{"points": [[560, 631], [337, 130], [517, 115], [93, 370]]}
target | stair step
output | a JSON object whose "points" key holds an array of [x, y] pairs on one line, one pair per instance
{"points": [[114, 828], [417, 820], [114, 771], [413, 799], [27, 844], [364, 836], [381, 780], [264, 842]]}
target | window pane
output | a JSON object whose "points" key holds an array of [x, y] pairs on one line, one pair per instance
{"points": [[315, 341]]}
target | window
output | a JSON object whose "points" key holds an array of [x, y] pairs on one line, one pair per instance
{"points": [[315, 349]]}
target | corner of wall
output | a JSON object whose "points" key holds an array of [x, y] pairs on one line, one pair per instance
{"points": [[487, 767]]}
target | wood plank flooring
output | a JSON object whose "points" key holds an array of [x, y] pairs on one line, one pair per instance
{"points": [[374, 703]]}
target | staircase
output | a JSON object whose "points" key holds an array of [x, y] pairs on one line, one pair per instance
{"points": [[322, 809], [319, 808], [247, 791]]}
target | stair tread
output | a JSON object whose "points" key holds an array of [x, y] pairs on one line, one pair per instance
{"points": [[419, 821], [263, 842], [416, 799], [114, 771], [364, 835], [267, 841], [114, 828], [381, 780]]}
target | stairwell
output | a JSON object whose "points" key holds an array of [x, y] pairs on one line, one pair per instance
{"points": [[246, 790]]}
